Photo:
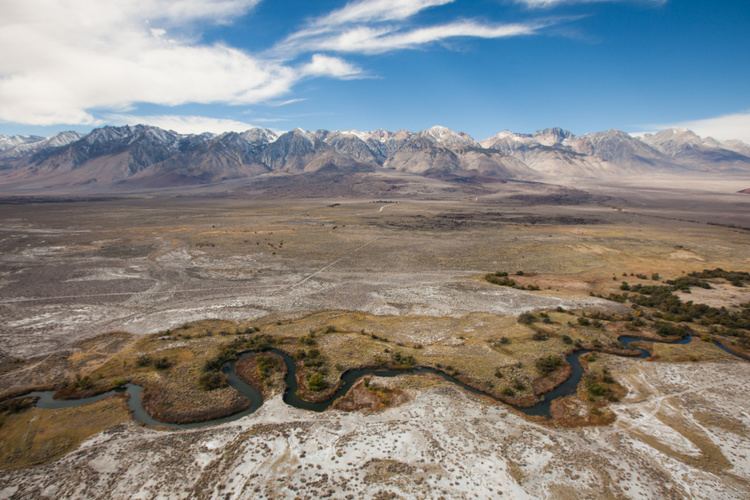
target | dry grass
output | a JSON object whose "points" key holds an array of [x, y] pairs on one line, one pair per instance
{"points": [[38, 436]]}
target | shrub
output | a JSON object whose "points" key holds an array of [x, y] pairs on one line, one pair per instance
{"points": [[162, 364], [526, 318], [504, 340], [519, 385], [584, 321], [143, 360], [212, 380], [548, 364], [540, 336], [83, 383], [266, 365], [308, 339], [509, 392], [316, 382], [500, 280], [672, 330], [402, 359], [598, 390], [567, 340]]}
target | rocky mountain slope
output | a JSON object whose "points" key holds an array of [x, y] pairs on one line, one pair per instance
{"points": [[142, 156]]}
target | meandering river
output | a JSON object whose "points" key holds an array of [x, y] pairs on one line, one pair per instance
{"points": [[45, 399]]}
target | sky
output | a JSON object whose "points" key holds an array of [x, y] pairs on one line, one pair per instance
{"points": [[478, 66]]}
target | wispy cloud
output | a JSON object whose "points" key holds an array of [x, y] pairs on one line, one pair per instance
{"points": [[379, 26], [285, 102], [725, 127], [380, 39], [376, 10], [184, 124], [541, 4]]}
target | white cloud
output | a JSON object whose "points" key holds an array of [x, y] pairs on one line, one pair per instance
{"points": [[377, 10], [379, 26], [182, 123], [725, 127], [285, 102], [64, 61], [75, 61], [355, 14], [321, 65], [376, 40], [537, 4]]}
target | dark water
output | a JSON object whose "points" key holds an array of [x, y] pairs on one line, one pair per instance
{"points": [[348, 379], [730, 351]]}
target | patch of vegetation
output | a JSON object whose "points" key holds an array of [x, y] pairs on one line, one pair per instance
{"points": [[736, 278], [143, 360], [163, 364], [212, 380], [672, 330], [400, 359], [231, 351], [600, 385], [501, 278], [266, 365], [540, 336], [16, 405], [312, 358], [548, 364], [308, 339], [672, 309], [526, 318], [316, 382]]}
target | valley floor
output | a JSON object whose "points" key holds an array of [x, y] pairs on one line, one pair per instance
{"points": [[75, 270]]}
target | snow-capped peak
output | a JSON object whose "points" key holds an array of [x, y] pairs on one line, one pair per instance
{"points": [[448, 138]]}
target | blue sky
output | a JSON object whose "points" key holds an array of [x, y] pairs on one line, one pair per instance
{"points": [[479, 66]]}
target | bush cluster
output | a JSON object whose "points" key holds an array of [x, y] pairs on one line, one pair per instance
{"points": [[548, 364]]}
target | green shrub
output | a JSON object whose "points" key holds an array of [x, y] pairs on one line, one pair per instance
{"points": [[402, 359], [316, 382]]}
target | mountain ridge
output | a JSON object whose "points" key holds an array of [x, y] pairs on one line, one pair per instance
{"points": [[148, 156]]}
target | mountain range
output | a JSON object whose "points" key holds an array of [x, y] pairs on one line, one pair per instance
{"points": [[141, 156]]}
